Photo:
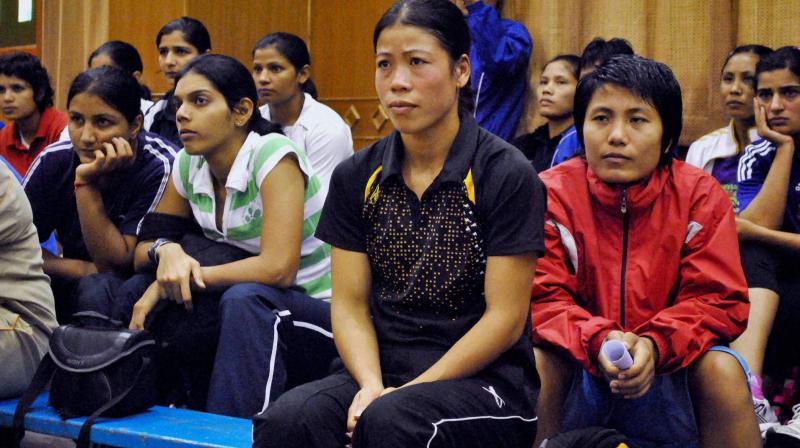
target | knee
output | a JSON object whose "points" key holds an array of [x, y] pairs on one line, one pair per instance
{"points": [[242, 296], [287, 421], [555, 371], [285, 416], [390, 416], [717, 379]]}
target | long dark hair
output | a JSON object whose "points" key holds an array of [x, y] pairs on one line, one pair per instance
{"points": [[784, 57], [294, 49], [194, 33], [117, 88], [125, 57], [444, 21], [234, 82]]}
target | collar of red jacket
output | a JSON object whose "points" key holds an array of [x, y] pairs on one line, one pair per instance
{"points": [[639, 196]]}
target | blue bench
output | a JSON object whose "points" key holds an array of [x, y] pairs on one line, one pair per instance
{"points": [[157, 427]]}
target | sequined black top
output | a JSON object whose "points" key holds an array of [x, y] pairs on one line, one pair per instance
{"points": [[428, 256]]}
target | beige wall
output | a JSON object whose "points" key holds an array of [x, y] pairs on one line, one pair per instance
{"points": [[691, 36]]}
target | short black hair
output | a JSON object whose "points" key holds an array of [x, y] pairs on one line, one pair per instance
{"points": [[651, 81], [194, 33], [600, 50], [572, 60], [29, 68], [784, 57]]}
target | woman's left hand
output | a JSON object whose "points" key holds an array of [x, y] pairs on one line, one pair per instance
{"points": [[144, 305], [115, 155]]}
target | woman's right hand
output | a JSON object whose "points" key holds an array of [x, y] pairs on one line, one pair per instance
{"points": [[363, 398], [176, 273], [763, 127]]}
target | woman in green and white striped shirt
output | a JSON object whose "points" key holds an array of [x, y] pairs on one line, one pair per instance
{"points": [[248, 186]]}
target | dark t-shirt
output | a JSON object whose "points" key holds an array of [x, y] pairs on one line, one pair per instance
{"points": [[133, 192], [538, 147], [428, 257], [164, 121]]}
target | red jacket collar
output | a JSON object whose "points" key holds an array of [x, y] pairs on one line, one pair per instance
{"points": [[639, 196], [47, 116]]}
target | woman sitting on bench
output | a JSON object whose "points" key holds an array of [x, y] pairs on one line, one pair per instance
{"points": [[249, 187]]}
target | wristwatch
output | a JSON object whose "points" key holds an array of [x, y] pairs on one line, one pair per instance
{"points": [[151, 253]]}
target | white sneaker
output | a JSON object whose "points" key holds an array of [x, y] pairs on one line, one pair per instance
{"points": [[790, 430], [765, 415]]}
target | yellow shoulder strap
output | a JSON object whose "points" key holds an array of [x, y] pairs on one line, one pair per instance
{"points": [[470, 186], [371, 181]]}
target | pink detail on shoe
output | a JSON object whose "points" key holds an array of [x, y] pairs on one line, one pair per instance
{"points": [[755, 386]]}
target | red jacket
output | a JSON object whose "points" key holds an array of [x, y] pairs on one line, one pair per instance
{"points": [[672, 243], [51, 124]]}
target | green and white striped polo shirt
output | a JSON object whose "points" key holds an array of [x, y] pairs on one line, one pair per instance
{"points": [[242, 217]]}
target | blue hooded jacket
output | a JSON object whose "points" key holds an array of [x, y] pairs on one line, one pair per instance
{"points": [[500, 52]]}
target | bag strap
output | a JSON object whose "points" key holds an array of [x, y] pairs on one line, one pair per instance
{"points": [[84, 438], [39, 382]]}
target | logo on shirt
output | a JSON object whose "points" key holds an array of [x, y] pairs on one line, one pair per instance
{"points": [[252, 212], [497, 399]]}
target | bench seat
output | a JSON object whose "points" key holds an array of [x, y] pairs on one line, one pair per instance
{"points": [[157, 427]]}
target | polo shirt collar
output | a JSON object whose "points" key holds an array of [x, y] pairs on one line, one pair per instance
{"points": [[305, 120], [47, 116], [239, 174], [202, 180], [456, 165], [305, 116]]}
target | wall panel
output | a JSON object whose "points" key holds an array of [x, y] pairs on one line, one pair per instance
{"points": [[71, 29], [775, 23], [344, 67], [131, 22], [690, 36], [695, 55]]}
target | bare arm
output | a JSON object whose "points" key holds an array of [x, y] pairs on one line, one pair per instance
{"points": [[68, 268], [109, 249], [353, 331], [282, 193], [767, 208], [749, 231], [171, 203], [508, 294]]}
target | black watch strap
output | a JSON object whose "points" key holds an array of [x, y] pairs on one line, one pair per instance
{"points": [[151, 253]]}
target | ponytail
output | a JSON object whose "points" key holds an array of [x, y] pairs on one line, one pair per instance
{"points": [[310, 88], [262, 126]]}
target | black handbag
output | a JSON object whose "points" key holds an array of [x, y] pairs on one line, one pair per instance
{"points": [[95, 367]]}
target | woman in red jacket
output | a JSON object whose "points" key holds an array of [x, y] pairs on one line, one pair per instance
{"points": [[643, 249]]}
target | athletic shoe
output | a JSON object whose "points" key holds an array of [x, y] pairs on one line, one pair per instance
{"points": [[787, 435], [765, 415]]}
